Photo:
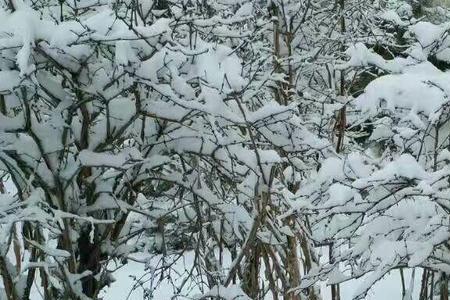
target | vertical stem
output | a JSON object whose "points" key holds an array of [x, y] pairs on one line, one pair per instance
{"points": [[402, 277], [424, 286], [8, 283], [269, 275], [292, 264], [333, 286], [341, 124], [432, 286], [444, 287], [276, 44], [2, 105]]}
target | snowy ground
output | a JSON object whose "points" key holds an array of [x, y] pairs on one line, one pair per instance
{"points": [[387, 289], [122, 289]]}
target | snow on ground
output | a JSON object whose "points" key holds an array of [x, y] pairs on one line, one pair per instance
{"points": [[386, 289]]}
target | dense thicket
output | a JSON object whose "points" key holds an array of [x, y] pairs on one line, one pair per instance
{"points": [[247, 135]]}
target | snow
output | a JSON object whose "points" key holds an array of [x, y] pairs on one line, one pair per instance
{"points": [[392, 16], [231, 292], [245, 10], [361, 56], [427, 33], [124, 53], [414, 90], [8, 80], [339, 195], [444, 55], [387, 288], [50, 251], [11, 124], [405, 166], [89, 158]]}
